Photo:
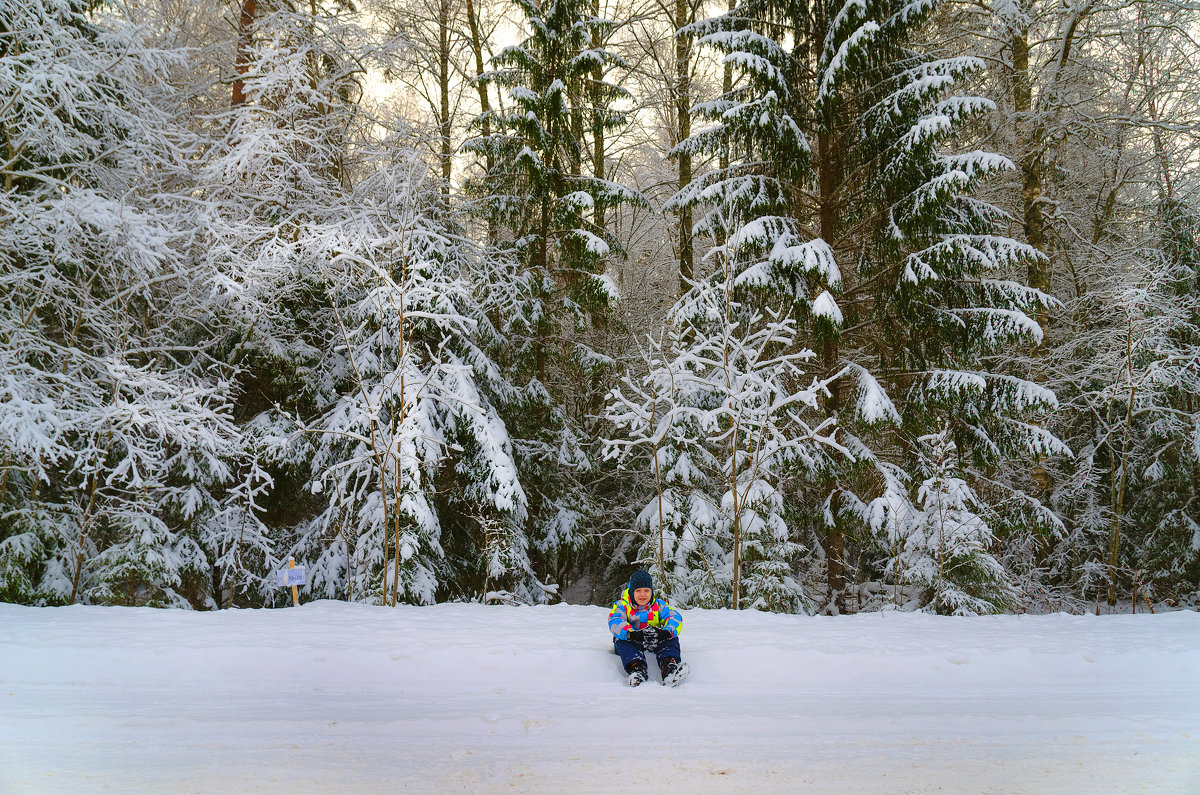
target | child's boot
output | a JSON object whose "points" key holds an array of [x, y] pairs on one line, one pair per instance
{"points": [[673, 671], [637, 672]]}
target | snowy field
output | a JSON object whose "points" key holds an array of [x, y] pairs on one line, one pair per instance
{"points": [[332, 697]]}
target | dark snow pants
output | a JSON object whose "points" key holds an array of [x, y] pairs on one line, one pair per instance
{"points": [[631, 651]]}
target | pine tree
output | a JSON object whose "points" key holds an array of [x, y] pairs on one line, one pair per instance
{"points": [[544, 192], [538, 188], [770, 555], [839, 201], [1129, 500], [115, 427], [680, 542], [944, 549], [1165, 487], [728, 400], [239, 542], [275, 176], [424, 498]]}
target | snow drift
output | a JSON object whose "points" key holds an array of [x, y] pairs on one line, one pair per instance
{"points": [[334, 697]]}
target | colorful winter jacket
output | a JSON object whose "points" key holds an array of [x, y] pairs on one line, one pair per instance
{"points": [[626, 615]]}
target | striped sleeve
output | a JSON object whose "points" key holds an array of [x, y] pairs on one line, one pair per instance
{"points": [[674, 619], [617, 624]]}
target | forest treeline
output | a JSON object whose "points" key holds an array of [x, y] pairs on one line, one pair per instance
{"points": [[803, 306]]}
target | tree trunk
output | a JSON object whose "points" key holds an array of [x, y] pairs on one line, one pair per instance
{"points": [[683, 114], [445, 18], [1118, 485], [597, 123], [737, 527], [1032, 131], [485, 106], [244, 41], [827, 179], [1165, 188], [726, 87], [1030, 143], [543, 267], [84, 521]]}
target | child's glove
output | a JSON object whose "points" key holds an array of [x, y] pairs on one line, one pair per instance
{"points": [[646, 638], [650, 638], [661, 635]]}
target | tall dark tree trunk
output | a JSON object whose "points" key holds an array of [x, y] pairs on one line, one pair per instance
{"points": [[244, 43], [683, 115], [1031, 147], [597, 124], [828, 175], [445, 19], [485, 107], [1031, 153], [726, 87]]}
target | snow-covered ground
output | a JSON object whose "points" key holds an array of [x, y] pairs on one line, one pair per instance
{"points": [[332, 697]]}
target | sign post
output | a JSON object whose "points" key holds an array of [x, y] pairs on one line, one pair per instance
{"points": [[293, 576], [295, 591]]}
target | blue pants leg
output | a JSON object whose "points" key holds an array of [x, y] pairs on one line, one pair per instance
{"points": [[631, 651], [669, 649]]}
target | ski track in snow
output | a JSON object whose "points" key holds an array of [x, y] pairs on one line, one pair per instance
{"points": [[333, 697]]}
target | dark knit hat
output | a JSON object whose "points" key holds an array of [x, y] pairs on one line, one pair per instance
{"points": [[641, 579]]}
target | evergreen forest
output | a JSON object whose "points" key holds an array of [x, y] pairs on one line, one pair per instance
{"points": [[805, 306]]}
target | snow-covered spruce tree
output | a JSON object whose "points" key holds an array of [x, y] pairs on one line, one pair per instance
{"points": [[768, 255], [944, 549], [725, 416], [542, 198], [678, 542], [1165, 495], [240, 546], [538, 189], [1088, 98], [839, 189], [367, 393], [423, 494], [770, 555], [273, 180], [1131, 497], [114, 426]]}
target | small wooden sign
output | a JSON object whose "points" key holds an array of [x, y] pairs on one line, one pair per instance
{"points": [[293, 575], [290, 577]]}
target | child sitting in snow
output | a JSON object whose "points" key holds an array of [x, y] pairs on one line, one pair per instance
{"points": [[640, 623]]}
